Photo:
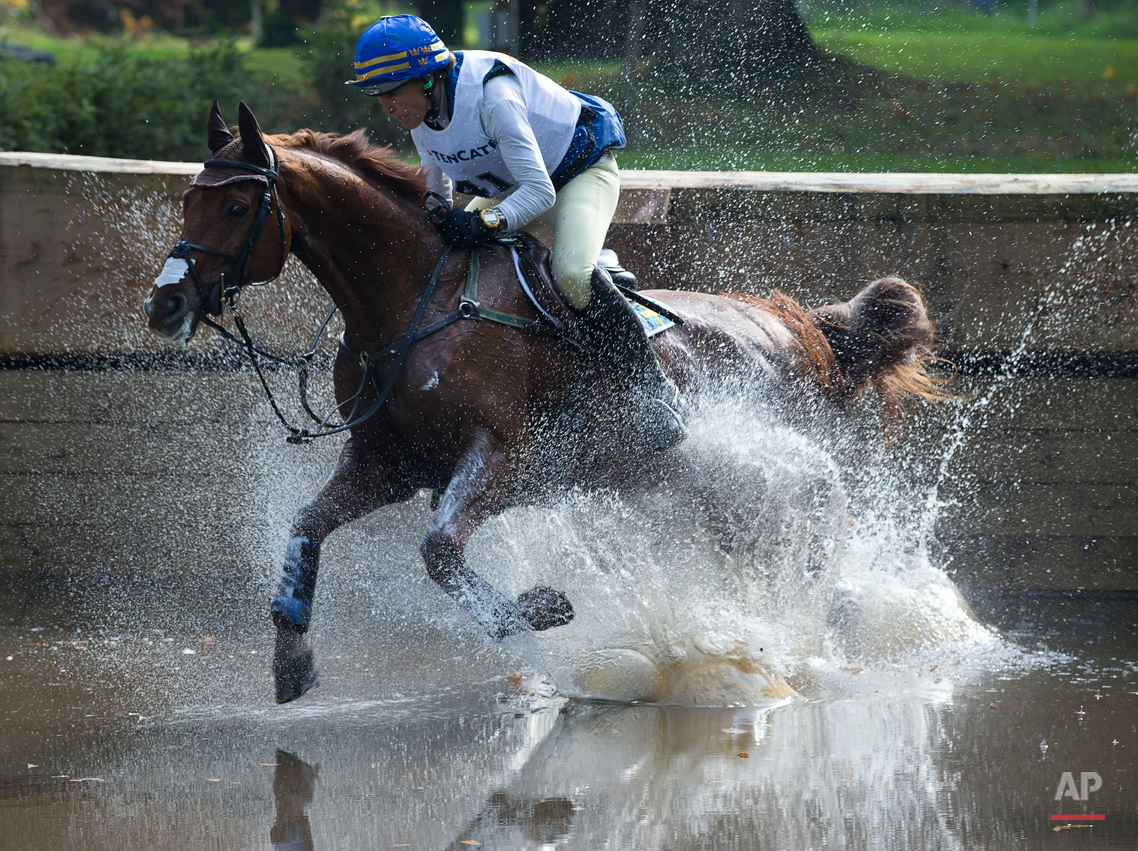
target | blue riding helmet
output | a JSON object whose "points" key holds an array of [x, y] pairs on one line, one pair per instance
{"points": [[394, 50]]}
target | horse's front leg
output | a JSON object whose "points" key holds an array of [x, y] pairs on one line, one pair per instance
{"points": [[357, 486], [478, 490]]}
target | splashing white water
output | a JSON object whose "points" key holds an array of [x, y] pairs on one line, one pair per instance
{"points": [[724, 586]]}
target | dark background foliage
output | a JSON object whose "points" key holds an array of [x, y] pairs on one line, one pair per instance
{"points": [[873, 85], [118, 104]]}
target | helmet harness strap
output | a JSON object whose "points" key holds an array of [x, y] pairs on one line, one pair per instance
{"points": [[432, 101]]}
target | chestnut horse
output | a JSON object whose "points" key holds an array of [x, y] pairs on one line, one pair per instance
{"points": [[475, 411]]}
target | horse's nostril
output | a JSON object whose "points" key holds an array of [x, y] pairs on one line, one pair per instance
{"points": [[175, 306]]}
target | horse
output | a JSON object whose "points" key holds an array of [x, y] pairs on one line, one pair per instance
{"points": [[486, 415]]}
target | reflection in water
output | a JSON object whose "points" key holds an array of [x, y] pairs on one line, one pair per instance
{"points": [[542, 823], [604, 775], [294, 784], [947, 755]]}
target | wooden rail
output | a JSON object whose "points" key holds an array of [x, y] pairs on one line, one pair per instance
{"points": [[1031, 274]]}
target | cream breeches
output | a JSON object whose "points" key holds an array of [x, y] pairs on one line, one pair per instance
{"points": [[576, 225]]}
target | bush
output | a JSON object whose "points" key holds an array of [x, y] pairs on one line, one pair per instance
{"points": [[336, 107], [278, 29], [118, 104]]}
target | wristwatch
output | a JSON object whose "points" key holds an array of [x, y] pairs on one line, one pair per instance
{"points": [[490, 218]]}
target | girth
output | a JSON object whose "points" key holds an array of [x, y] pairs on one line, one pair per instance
{"points": [[469, 307]]}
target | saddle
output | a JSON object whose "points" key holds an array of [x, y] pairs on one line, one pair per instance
{"points": [[534, 269], [533, 265]]}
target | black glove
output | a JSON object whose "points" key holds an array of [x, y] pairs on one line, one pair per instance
{"points": [[462, 228]]}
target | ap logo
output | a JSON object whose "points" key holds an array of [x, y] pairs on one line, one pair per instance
{"points": [[1089, 781]]}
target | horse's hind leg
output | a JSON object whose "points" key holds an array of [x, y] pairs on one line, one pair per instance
{"points": [[477, 491], [356, 487]]}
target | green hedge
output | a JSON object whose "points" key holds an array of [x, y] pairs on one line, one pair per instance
{"points": [[122, 105], [118, 103]]}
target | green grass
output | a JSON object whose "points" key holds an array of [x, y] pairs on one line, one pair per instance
{"points": [[283, 62], [1060, 19], [957, 91], [978, 57], [69, 50]]}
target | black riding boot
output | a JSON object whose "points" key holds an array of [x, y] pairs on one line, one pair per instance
{"points": [[620, 276], [610, 328]]}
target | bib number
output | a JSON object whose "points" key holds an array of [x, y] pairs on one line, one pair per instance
{"points": [[468, 187]]}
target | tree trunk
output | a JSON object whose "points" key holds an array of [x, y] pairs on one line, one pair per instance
{"points": [[637, 9], [695, 41], [446, 18], [727, 42], [573, 29]]}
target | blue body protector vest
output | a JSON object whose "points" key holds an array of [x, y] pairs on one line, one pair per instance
{"points": [[573, 130]]}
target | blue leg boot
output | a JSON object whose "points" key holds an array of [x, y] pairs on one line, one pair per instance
{"points": [[293, 667]]}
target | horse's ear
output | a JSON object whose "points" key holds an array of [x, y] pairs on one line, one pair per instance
{"points": [[253, 140], [219, 135]]}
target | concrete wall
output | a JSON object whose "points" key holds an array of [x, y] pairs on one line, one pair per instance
{"points": [[81, 240], [1036, 273]]}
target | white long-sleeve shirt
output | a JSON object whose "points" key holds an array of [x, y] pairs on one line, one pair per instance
{"points": [[504, 119]]}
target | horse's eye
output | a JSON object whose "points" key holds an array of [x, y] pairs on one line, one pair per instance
{"points": [[238, 210]]}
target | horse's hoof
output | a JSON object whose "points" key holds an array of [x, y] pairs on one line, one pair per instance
{"points": [[544, 608], [293, 667], [669, 429], [294, 676]]}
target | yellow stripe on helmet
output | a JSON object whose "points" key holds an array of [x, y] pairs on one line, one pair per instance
{"points": [[401, 67], [391, 57]]}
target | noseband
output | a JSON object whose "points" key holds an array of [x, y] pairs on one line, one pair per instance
{"points": [[221, 292], [226, 296]]}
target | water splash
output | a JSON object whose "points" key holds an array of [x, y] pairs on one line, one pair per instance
{"points": [[1053, 312], [776, 549], [724, 586]]}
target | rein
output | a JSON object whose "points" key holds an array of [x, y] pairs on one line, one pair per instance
{"points": [[223, 296], [468, 308], [298, 435]]}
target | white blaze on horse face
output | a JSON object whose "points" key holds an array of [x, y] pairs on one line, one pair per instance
{"points": [[175, 269]]}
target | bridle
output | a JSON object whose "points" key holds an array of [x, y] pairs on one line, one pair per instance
{"points": [[223, 295], [221, 292]]}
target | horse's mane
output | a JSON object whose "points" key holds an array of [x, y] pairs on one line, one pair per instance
{"points": [[896, 382], [377, 165]]}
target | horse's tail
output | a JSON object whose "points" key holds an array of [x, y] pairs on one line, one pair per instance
{"points": [[881, 339]]}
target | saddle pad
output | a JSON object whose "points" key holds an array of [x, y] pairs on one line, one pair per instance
{"points": [[652, 321]]}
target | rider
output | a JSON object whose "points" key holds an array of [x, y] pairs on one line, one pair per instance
{"points": [[535, 155]]}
